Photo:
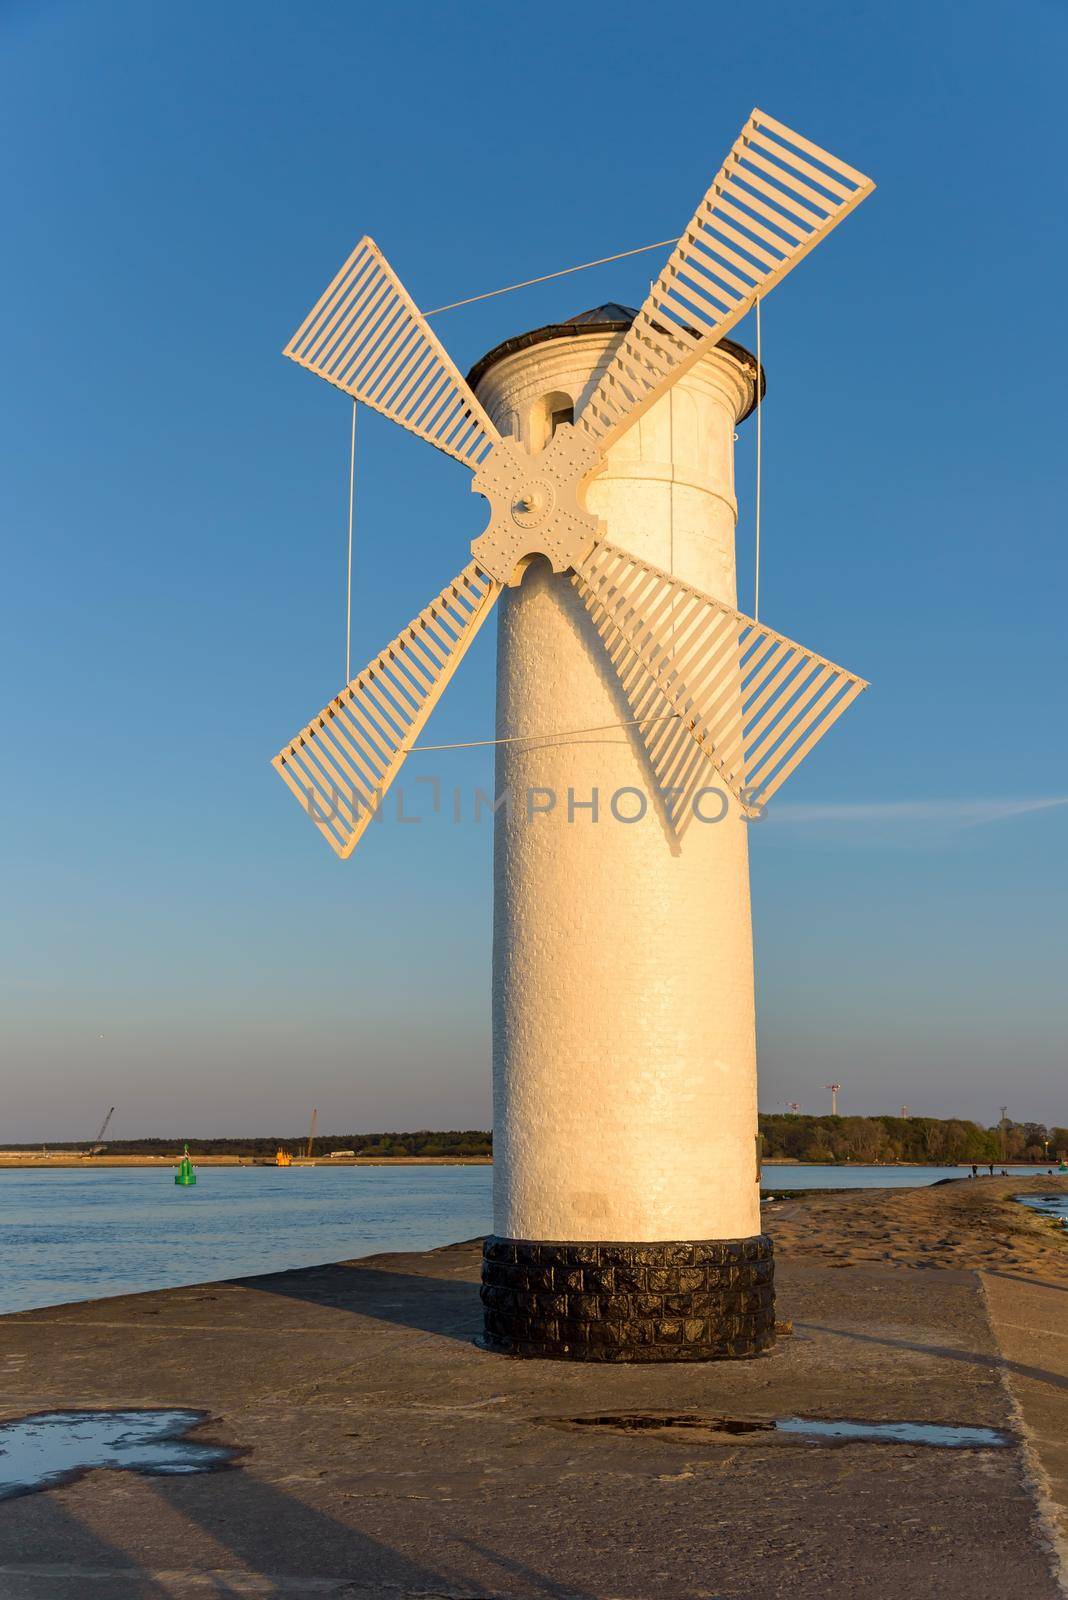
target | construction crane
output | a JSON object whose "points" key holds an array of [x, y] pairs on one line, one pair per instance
{"points": [[311, 1134], [98, 1144]]}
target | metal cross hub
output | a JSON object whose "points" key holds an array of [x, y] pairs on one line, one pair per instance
{"points": [[531, 507], [535, 508]]}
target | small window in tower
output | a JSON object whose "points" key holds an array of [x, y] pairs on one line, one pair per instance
{"points": [[548, 413]]}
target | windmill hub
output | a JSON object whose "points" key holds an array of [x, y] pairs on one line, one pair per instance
{"points": [[535, 504], [531, 506]]}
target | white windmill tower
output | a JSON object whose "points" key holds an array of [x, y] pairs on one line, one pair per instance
{"points": [[626, 1188]]}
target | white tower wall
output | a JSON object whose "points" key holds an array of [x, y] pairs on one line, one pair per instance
{"points": [[624, 1059]]}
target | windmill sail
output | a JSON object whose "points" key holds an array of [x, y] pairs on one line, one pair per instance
{"points": [[340, 765], [708, 684], [676, 763], [754, 701], [775, 197], [366, 336]]}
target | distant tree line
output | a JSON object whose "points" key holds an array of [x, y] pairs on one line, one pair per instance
{"points": [[424, 1143], [931, 1141]]}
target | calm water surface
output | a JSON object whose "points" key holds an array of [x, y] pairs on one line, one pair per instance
{"points": [[1050, 1205], [80, 1235], [74, 1235]]}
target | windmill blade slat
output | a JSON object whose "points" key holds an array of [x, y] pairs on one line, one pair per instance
{"points": [[414, 389], [377, 359], [799, 169], [334, 762], [688, 639], [799, 186], [317, 806], [357, 758], [775, 782], [377, 726], [413, 362], [779, 678], [327, 750], [757, 656], [779, 214], [360, 335], [382, 712], [774, 205], [351, 329], [694, 659], [388, 706], [765, 124], [789, 682], [716, 716], [748, 700], [713, 285], [718, 695], [435, 631], [408, 676], [779, 731], [662, 735], [699, 261], [717, 227], [681, 301], [391, 721], [322, 792], [733, 205], [347, 297]]}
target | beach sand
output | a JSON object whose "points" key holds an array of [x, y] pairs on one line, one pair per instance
{"points": [[969, 1223]]}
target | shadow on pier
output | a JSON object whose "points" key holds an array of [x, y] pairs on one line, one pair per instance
{"points": [[446, 1305], [944, 1352], [254, 1539]]}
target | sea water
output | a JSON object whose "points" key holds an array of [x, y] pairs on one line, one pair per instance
{"points": [[80, 1234]]}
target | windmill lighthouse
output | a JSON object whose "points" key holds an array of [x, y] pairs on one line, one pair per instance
{"points": [[642, 722]]}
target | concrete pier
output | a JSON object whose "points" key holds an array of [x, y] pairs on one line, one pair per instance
{"points": [[386, 1455]]}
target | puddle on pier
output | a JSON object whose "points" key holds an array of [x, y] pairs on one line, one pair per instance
{"points": [[54, 1447], [943, 1435], [946, 1436]]}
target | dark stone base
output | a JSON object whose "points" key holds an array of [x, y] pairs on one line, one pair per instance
{"points": [[698, 1300]]}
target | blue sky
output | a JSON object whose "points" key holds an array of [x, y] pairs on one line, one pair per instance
{"points": [[179, 182]]}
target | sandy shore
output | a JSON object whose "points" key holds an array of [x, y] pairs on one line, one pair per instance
{"points": [[969, 1223]]}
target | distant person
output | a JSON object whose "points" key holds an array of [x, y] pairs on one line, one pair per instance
{"points": [[991, 1169], [975, 1170]]}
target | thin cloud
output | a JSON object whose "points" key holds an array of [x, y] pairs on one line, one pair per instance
{"points": [[953, 813]]}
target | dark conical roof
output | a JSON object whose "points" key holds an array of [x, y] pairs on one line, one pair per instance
{"points": [[609, 318], [611, 311]]}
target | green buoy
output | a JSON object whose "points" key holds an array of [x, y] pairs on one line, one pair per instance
{"points": [[185, 1174]]}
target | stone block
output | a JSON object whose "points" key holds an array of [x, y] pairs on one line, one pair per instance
{"points": [[690, 1300]]}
